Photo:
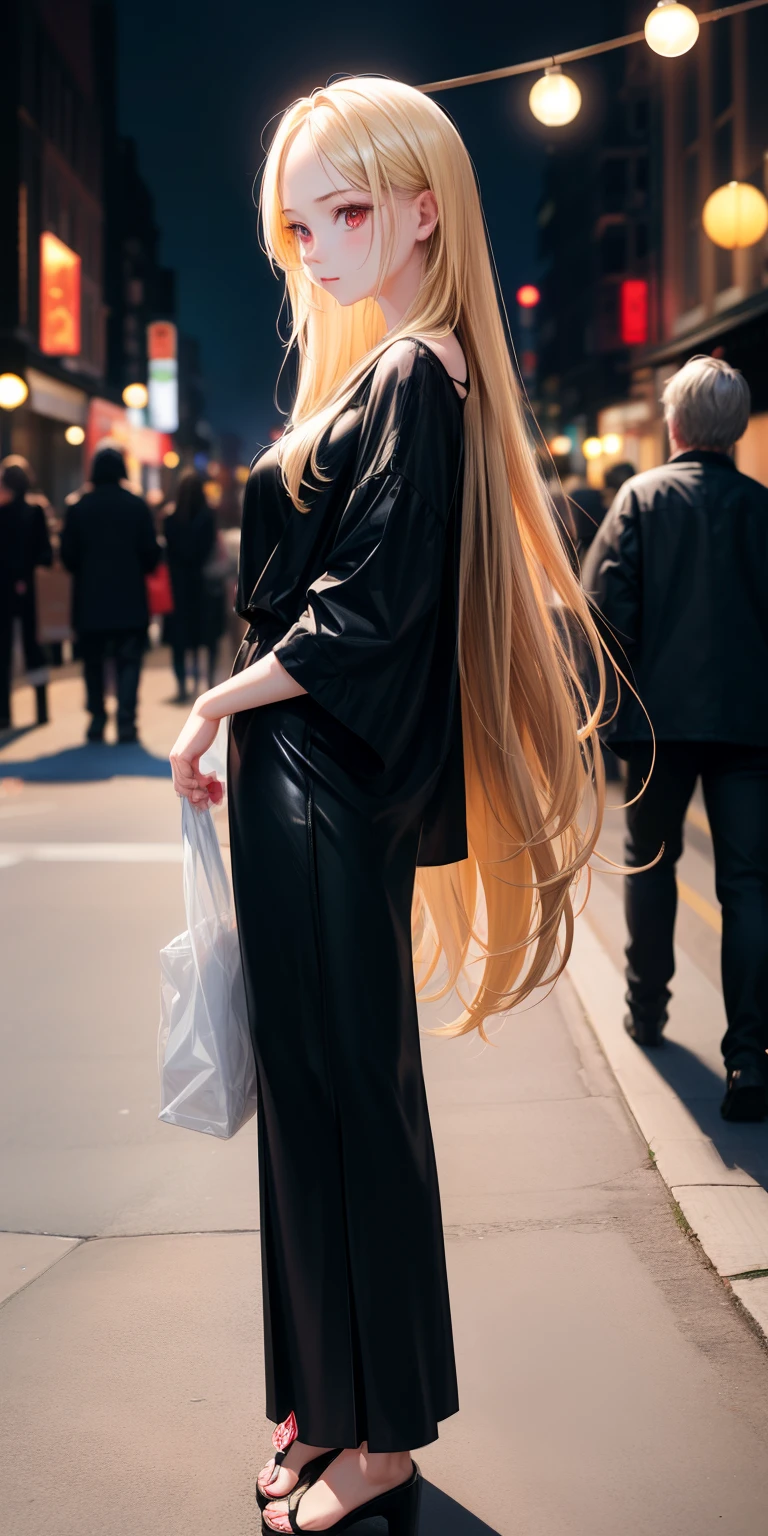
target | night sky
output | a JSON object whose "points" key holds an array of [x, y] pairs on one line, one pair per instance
{"points": [[200, 82]]}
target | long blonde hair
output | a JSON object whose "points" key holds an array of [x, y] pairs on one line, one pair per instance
{"points": [[533, 769]]}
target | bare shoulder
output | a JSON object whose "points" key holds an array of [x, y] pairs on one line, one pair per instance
{"points": [[449, 353]]}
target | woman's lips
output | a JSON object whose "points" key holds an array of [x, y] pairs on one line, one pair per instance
{"points": [[329, 279]]}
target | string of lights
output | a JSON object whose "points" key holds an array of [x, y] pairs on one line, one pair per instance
{"points": [[735, 215]]}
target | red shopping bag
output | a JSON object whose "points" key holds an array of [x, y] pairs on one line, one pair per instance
{"points": [[159, 592]]}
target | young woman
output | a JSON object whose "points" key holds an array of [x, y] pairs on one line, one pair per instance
{"points": [[190, 536], [405, 708]]}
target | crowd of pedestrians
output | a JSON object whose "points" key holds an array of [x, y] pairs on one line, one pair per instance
{"points": [[675, 560], [111, 542]]}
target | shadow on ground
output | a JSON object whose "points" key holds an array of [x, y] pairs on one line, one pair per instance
{"points": [[438, 1516], [88, 764], [701, 1090]]}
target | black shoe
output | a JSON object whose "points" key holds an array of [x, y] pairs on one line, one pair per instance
{"points": [[399, 1507], [127, 735], [645, 1031], [745, 1099], [41, 693], [96, 729]]}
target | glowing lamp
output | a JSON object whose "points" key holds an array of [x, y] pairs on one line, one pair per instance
{"points": [[213, 492], [611, 443], [555, 99], [135, 396], [528, 296], [736, 216], [560, 445], [171, 459], [671, 29], [242, 474], [13, 391], [592, 447], [74, 436]]}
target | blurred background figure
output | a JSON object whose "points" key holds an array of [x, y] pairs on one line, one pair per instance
{"points": [[198, 567], [108, 543], [24, 546], [679, 569]]}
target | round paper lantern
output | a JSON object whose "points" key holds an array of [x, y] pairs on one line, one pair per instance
{"points": [[735, 216], [555, 99], [671, 29]]}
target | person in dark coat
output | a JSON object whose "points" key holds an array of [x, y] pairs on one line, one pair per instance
{"points": [[108, 543], [679, 570], [24, 545], [190, 535]]}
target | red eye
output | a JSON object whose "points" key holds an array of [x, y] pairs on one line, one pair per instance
{"points": [[354, 217]]}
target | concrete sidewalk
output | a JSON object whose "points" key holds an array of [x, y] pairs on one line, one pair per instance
{"points": [[607, 1381]]}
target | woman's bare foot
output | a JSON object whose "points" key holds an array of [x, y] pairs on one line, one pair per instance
{"points": [[278, 1482], [350, 1480]]}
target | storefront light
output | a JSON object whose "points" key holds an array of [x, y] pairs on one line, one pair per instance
{"points": [[671, 29], [560, 446], [135, 396], [13, 391], [555, 99], [592, 447], [171, 459], [75, 436], [611, 444], [735, 216]]}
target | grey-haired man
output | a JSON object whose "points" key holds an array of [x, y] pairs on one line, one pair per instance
{"points": [[679, 571]]}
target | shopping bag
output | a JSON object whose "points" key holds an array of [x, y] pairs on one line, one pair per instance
{"points": [[159, 591], [205, 1056], [53, 604]]}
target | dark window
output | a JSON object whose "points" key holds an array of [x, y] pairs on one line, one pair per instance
{"points": [[641, 241], [690, 98], [642, 174], [722, 67], [722, 152], [692, 219], [614, 183], [613, 250], [639, 117]]}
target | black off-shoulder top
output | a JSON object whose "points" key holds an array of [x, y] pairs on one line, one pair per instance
{"points": [[358, 596]]}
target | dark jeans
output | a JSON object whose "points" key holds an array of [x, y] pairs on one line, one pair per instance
{"points": [[735, 785], [180, 654], [34, 655], [127, 647]]}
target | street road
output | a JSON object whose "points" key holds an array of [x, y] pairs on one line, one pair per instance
{"points": [[609, 1383]]}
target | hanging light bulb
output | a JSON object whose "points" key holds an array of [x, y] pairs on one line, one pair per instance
{"points": [[555, 99], [671, 29], [735, 216]]}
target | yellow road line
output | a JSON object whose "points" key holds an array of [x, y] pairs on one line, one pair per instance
{"points": [[700, 906], [698, 818]]}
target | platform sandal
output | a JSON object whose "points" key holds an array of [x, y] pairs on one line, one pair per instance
{"points": [[282, 1440], [399, 1506]]}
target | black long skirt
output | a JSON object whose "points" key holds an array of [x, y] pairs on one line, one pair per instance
{"points": [[356, 1313]]}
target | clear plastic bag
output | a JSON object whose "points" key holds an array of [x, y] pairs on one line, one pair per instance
{"points": [[205, 1056]]}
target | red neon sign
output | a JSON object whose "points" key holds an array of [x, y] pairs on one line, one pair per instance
{"points": [[59, 298], [634, 312]]}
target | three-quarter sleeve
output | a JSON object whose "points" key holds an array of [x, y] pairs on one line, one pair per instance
{"points": [[363, 647]]}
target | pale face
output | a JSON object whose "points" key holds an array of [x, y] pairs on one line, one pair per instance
{"points": [[339, 235]]}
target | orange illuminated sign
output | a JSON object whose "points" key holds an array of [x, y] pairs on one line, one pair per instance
{"points": [[59, 298]]}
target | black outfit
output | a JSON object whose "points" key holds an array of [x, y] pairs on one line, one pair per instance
{"points": [[109, 544], [24, 545], [679, 571], [196, 621], [335, 797]]}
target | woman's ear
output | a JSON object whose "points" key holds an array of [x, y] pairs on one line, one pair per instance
{"points": [[427, 207]]}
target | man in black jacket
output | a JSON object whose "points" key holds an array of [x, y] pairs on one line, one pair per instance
{"points": [[679, 570], [24, 545], [108, 543]]}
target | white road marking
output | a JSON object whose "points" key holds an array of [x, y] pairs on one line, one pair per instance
{"points": [[90, 853]]}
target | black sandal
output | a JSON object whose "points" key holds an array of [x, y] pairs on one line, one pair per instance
{"points": [[398, 1506], [282, 1440]]}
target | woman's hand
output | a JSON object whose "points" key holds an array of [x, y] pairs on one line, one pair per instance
{"points": [[195, 737]]}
